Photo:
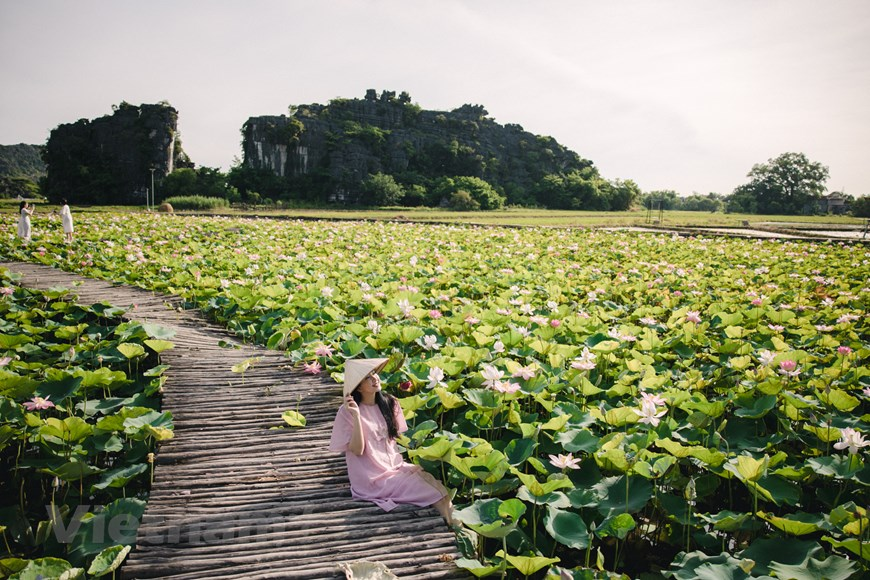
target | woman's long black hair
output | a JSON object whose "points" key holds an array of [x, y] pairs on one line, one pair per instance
{"points": [[387, 404]]}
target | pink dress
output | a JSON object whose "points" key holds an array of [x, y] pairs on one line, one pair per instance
{"points": [[380, 475]]}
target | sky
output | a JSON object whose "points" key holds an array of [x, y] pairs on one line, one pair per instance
{"points": [[685, 95]]}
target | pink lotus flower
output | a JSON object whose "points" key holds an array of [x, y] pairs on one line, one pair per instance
{"points": [[649, 413], [789, 368], [693, 316], [526, 372], [326, 292], [585, 362], [498, 347], [851, 439], [490, 375], [471, 320], [653, 399], [843, 350], [436, 378], [776, 327], [6, 291], [555, 323], [506, 387], [38, 404], [757, 302], [405, 386], [435, 314], [766, 357], [312, 368], [565, 461], [5, 360], [430, 342], [323, 350]]}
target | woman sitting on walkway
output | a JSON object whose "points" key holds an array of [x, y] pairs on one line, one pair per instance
{"points": [[366, 428]]}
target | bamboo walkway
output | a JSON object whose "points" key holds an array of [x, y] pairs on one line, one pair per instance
{"points": [[233, 498]]}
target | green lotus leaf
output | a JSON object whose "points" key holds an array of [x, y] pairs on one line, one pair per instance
{"points": [[711, 457], [489, 468], [623, 494], [121, 476], [440, 450], [518, 450], [854, 545], [838, 466], [478, 569], [102, 377], [840, 399], [73, 470], [293, 418], [616, 526], [697, 565], [156, 371], [17, 387], [483, 398], [108, 560], [574, 440], [831, 568], [158, 332], [728, 521], [798, 524], [69, 430], [43, 568], [537, 488], [59, 391], [448, 400], [159, 346], [528, 565], [10, 341], [116, 524], [754, 408], [567, 528]]}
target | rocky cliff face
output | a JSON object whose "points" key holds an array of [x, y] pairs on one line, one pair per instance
{"points": [[340, 144], [109, 159]]}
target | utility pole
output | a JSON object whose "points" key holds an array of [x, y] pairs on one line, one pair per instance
{"points": [[153, 196]]}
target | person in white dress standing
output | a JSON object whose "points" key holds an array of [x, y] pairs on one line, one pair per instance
{"points": [[24, 221], [66, 219]]}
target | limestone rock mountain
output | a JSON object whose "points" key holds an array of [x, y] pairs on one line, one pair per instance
{"points": [[109, 159], [329, 150]]}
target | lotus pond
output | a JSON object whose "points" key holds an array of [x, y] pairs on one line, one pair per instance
{"points": [[604, 404], [79, 420]]}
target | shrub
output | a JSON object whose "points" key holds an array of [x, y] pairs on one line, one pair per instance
{"points": [[196, 202], [462, 201]]}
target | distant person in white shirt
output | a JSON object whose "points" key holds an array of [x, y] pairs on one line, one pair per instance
{"points": [[24, 221], [66, 219]]}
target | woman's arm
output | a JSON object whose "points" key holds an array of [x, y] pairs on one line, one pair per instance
{"points": [[357, 440]]}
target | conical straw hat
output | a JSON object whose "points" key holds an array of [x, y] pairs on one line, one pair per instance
{"points": [[356, 370]]}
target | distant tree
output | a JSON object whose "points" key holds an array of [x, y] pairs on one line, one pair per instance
{"points": [[621, 194], [788, 184], [381, 189], [462, 201], [666, 199], [479, 190], [17, 186], [861, 206]]}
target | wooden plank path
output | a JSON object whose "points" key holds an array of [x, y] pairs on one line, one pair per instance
{"points": [[234, 499]]}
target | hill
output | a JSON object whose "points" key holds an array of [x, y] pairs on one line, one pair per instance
{"points": [[345, 150], [111, 159], [21, 167]]}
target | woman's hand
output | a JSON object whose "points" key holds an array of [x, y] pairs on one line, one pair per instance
{"points": [[351, 406]]}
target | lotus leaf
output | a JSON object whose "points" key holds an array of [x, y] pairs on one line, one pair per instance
{"points": [[42, 568], [108, 560], [567, 528]]}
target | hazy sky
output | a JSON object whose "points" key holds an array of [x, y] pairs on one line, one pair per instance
{"points": [[676, 94]]}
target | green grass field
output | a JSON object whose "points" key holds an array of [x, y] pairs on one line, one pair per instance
{"points": [[506, 217]]}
